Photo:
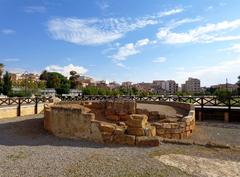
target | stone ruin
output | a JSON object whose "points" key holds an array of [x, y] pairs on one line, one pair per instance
{"points": [[114, 122]]}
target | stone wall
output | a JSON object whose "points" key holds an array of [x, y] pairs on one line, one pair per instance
{"points": [[114, 122], [11, 111], [177, 130]]}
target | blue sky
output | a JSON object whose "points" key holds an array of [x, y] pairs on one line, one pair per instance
{"points": [[123, 40]]}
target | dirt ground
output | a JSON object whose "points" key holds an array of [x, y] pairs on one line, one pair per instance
{"points": [[26, 149]]}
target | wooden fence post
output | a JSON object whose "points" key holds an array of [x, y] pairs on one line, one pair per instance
{"points": [[36, 105], [19, 107]]}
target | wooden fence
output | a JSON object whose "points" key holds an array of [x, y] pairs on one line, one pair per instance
{"points": [[24, 101]]}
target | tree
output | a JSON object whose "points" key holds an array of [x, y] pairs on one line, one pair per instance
{"points": [[238, 83], [74, 79], [223, 95], [57, 81], [44, 75], [7, 84]]}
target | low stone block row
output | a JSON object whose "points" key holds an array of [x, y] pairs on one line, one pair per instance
{"points": [[176, 130], [118, 134]]}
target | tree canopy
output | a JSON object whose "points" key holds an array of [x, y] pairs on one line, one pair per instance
{"points": [[57, 81]]}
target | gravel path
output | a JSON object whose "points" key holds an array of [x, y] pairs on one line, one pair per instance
{"points": [[27, 150], [218, 132]]}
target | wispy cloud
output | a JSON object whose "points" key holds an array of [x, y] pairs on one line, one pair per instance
{"points": [[235, 48], [10, 59], [103, 4], [35, 9], [171, 12], [65, 70], [160, 60], [209, 8], [203, 34], [8, 31], [100, 31]]}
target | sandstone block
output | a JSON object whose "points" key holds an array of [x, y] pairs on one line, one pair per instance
{"points": [[168, 135], [131, 107], [154, 115], [167, 125], [150, 131], [188, 133], [182, 124], [107, 137], [120, 131], [107, 127], [137, 120], [176, 136], [158, 125], [89, 116], [124, 139], [109, 112], [135, 131], [147, 141], [160, 131], [174, 125], [162, 116], [187, 128], [123, 117], [123, 124], [112, 117], [96, 134]]}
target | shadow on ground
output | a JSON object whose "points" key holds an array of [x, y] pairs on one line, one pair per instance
{"points": [[30, 132]]}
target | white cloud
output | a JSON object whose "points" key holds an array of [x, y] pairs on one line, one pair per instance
{"points": [[65, 70], [235, 48], [130, 49], [171, 12], [160, 60], [142, 42], [35, 9], [100, 31], [203, 34], [212, 74], [8, 31]]}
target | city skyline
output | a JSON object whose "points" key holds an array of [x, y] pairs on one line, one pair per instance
{"points": [[123, 41]]}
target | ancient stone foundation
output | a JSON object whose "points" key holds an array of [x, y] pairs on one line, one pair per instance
{"points": [[115, 122]]}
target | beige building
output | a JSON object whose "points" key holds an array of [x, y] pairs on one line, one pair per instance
{"points": [[165, 87], [127, 84], [192, 85], [171, 87]]}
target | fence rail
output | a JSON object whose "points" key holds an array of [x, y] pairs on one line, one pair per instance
{"points": [[202, 101], [24, 101]]}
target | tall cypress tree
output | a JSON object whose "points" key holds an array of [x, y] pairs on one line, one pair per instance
{"points": [[7, 84]]}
